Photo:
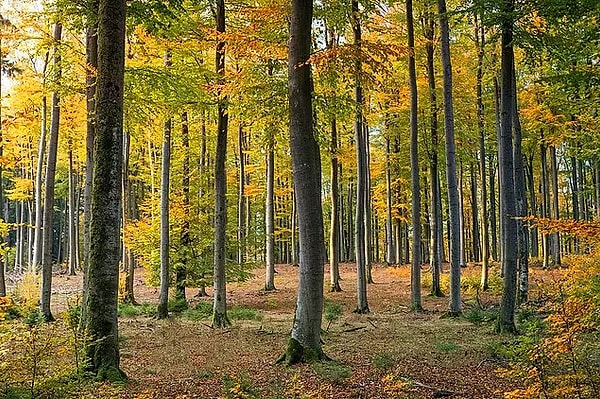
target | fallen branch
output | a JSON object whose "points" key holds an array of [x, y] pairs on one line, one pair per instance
{"points": [[437, 392], [354, 329]]}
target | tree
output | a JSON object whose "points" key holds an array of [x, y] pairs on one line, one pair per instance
{"points": [[220, 318], [304, 344], [46, 289], [270, 219], [455, 301], [163, 301], [103, 280], [415, 273], [506, 317]]}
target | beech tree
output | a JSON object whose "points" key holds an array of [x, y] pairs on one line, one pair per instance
{"points": [[103, 271], [304, 344]]}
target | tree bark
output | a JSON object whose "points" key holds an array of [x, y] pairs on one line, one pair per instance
{"points": [[305, 341], [103, 280], [545, 201], [186, 242], [270, 220], [39, 214], [220, 318], [555, 252], [389, 224], [506, 316], [73, 217], [455, 297], [334, 231], [241, 232], [49, 184], [362, 305], [415, 273], [163, 299]]}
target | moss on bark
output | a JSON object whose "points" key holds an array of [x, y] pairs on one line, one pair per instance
{"points": [[298, 353]]}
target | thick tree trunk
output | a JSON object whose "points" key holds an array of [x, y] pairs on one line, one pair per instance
{"points": [[455, 297], [506, 317], [305, 341], [362, 305], [103, 280], [163, 298], [270, 221], [220, 318], [334, 231], [415, 273], [49, 185]]}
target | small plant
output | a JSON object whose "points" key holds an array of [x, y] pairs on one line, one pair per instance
{"points": [[202, 311], [333, 372], [332, 311], [243, 313], [477, 315], [383, 360], [239, 387], [446, 346], [178, 305], [131, 310]]}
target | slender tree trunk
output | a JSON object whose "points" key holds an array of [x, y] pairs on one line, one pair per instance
{"points": [[103, 273], [38, 234], [186, 241], [163, 299], [555, 252], [362, 305], [475, 215], [2, 271], [91, 51], [485, 247], [533, 208], [294, 243], [461, 215], [415, 274], [520, 197], [334, 231], [455, 297], [305, 341], [493, 212], [506, 317], [389, 225], [128, 205], [220, 318], [270, 221], [368, 222], [49, 185], [545, 202], [241, 233], [73, 216]]}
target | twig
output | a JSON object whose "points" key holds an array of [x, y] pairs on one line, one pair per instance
{"points": [[354, 329], [371, 322], [437, 392]]}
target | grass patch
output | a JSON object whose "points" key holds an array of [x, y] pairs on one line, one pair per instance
{"points": [[383, 360], [477, 315], [446, 346], [204, 311], [332, 372], [178, 305], [243, 313], [130, 310]]}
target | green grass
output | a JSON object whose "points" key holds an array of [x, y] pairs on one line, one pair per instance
{"points": [[477, 315], [204, 311], [332, 372], [130, 310], [383, 360], [446, 346]]}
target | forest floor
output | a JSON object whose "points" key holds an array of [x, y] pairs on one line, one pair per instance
{"points": [[388, 353]]}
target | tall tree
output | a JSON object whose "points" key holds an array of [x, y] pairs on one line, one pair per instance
{"points": [[305, 342], [49, 182], [220, 318], [163, 300], [362, 305], [334, 231], [455, 301], [415, 274], [270, 219], [506, 317], [103, 280]]}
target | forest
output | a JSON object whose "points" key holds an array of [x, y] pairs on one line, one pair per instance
{"points": [[300, 199]]}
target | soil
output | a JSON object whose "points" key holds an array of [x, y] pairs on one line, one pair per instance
{"points": [[388, 353]]}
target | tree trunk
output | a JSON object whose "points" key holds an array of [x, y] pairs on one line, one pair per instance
{"points": [[38, 234], [73, 217], [476, 247], [103, 280], [270, 220], [49, 185], [334, 231], [305, 341], [461, 215], [241, 232], [389, 224], [436, 255], [520, 197], [127, 213], [186, 242], [415, 273], [555, 252], [485, 247], [368, 217], [91, 51], [361, 279], [545, 201], [163, 299], [455, 301], [506, 316], [533, 209], [220, 318]]}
